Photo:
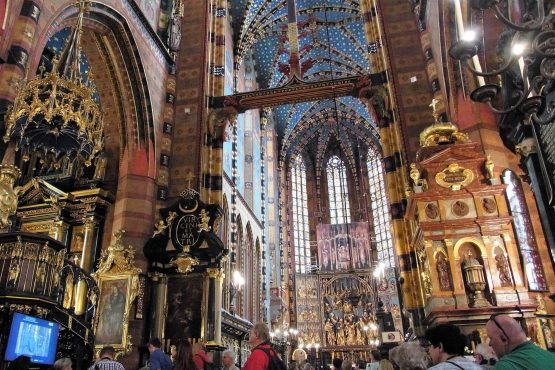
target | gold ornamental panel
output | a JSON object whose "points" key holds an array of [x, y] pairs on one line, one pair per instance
{"points": [[454, 177]]}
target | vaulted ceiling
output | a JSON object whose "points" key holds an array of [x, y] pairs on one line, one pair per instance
{"points": [[331, 44]]}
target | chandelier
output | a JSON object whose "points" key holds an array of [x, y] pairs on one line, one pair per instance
{"points": [[56, 112], [527, 51]]}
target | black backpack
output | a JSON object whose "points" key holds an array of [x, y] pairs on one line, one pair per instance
{"points": [[275, 362]]}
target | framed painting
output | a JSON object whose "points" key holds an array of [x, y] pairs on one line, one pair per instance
{"points": [[118, 285], [113, 310]]}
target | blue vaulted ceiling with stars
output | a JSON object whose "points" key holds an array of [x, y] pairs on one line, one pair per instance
{"points": [[329, 38]]}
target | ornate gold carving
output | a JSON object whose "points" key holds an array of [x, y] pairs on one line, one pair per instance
{"points": [[454, 177], [162, 225], [489, 165], [432, 211], [415, 174], [441, 132], [424, 272], [117, 258], [460, 208], [184, 263], [8, 195], [204, 220]]}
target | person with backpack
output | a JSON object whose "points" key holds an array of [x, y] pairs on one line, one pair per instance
{"points": [[263, 356], [158, 359], [201, 358]]}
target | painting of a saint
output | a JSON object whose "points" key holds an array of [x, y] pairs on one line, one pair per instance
{"points": [[184, 312], [112, 308]]}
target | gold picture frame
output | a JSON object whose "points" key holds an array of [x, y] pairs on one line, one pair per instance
{"points": [[118, 283]]}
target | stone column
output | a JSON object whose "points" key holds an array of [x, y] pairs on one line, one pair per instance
{"points": [[212, 320], [160, 287]]}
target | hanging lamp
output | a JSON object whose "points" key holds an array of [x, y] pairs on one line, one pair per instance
{"points": [[56, 111]]}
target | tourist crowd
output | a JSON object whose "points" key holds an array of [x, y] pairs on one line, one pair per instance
{"points": [[442, 348]]}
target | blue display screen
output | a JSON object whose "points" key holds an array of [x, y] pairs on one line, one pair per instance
{"points": [[32, 337]]}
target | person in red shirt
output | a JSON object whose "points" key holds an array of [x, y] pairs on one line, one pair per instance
{"points": [[259, 339], [200, 357]]}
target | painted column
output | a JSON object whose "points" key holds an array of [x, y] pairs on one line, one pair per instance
{"points": [[212, 152], [15, 69], [393, 156]]}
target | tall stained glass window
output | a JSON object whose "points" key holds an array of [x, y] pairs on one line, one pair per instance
{"points": [[380, 210], [524, 233], [300, 216], [338, 191]]}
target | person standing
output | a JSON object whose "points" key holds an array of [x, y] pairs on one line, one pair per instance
{"points": [[107, 362], [183, 359], [514, 350], [259, 338], [158, 359], [447, 348], [228, 360], [201, 358]]}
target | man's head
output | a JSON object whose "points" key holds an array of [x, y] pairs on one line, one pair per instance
{"points": [[108, 352], [228, 358], [337, 363], [505, 333], [153, 344], [259, 334], [446, 340]]}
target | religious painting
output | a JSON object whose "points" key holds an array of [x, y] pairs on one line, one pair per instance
{"points": [[184, 311], [343, 246], [77, 238], [111, 325], [118, 284]]}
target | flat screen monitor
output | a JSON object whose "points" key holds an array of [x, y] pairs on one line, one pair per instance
{"points": [[32, 337]]}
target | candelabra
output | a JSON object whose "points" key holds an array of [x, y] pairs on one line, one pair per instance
{"points": [[528, 66], [235, 286], [283, 338]]}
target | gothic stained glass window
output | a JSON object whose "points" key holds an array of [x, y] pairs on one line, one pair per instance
{"points": [[524, 233], [301, 237], [338, 192], [380, 210]]}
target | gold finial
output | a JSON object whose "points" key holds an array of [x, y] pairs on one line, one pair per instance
{"points": [[415, 174], [489, 165]]}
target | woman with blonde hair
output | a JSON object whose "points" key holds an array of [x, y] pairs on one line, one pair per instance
{"points": [[385, 365]]}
